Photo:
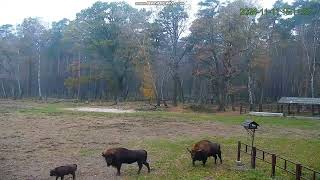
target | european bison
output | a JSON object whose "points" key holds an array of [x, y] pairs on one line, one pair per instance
{"points": [[116, 156], [204, 149], [61, 171]]}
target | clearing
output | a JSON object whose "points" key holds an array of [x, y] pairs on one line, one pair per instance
{"points": [[35, 137]]}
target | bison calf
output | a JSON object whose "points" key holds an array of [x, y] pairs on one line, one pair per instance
{"points": [[61, 171], [204, 149], [117, 156]]}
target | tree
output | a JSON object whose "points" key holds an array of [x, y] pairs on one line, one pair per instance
{"points": [[32, 34], [220, 42], [172, 21]]}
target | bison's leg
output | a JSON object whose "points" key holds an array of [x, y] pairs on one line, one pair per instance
{"points": [[215, 159], [118, 169], [147, 165], [62, 177], [204, 161], [219, 154], [140, 166], [193, 162], [57, 177], [73, 175]]}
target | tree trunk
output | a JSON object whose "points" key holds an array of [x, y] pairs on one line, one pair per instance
{"points": [[175, 89], [222, 101], [181, 91], [39, 76], [311, 65], [58, 76], [13, 91], [153, 82], [313, 69], [232, 97], [250, 88], [3, 90], [18, 81], [79, 76], [164, 77], [261, 96], [30, 78]]}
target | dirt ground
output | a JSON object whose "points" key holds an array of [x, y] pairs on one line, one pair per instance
{"points": [[31, 144]]}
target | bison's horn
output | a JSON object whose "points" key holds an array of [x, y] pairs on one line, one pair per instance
{"points": [[188, 150]]}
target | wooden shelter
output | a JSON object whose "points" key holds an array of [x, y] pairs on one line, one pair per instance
{"points": [[298, 103]]}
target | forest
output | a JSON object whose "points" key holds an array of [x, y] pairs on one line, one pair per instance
{"points": [[115, 52]]}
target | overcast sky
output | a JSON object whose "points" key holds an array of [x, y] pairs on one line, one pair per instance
{"points": [[14, 11]]}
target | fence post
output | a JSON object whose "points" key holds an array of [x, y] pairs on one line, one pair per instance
{"points": [[298, 171], [253, 157], [273, 164], [239, 149], [260, 108], [241, 108], [312, 110]]}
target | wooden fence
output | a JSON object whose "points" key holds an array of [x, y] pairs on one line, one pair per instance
{"points": [[300, 171]]}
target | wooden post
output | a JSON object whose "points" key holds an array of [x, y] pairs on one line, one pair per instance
{"points": [[273, 164], [260, 108], [282, 108], [239, 149], [241, 108], [298, 109], [314, 175], [289, 109], [312, 110], [285, 164], [278, 108], [253, 157], [298, 171]]}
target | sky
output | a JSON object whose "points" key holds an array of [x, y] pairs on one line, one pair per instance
{"points": [[14, 11]]}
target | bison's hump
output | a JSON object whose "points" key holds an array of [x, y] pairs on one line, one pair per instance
{"points": [[113, 150]]}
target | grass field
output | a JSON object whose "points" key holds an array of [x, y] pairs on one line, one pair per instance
{"points": [[35, 137]]}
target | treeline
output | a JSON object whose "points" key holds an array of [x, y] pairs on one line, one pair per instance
{"points": [[112, 51]]}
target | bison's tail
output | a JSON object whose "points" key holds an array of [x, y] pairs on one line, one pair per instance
{"points": [[146, 155]]}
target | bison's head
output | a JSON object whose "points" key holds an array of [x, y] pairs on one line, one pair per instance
{"points": [[108, 157], [196, 154], [52, 172]]}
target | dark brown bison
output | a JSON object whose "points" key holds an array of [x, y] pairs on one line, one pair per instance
{"points": [[204, 149], [117, 156], [61, 171]]}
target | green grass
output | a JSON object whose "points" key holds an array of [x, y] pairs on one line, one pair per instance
{"points": [[88, 152], [46, 109], [234, 119], [170, 160], [57, 109]]}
